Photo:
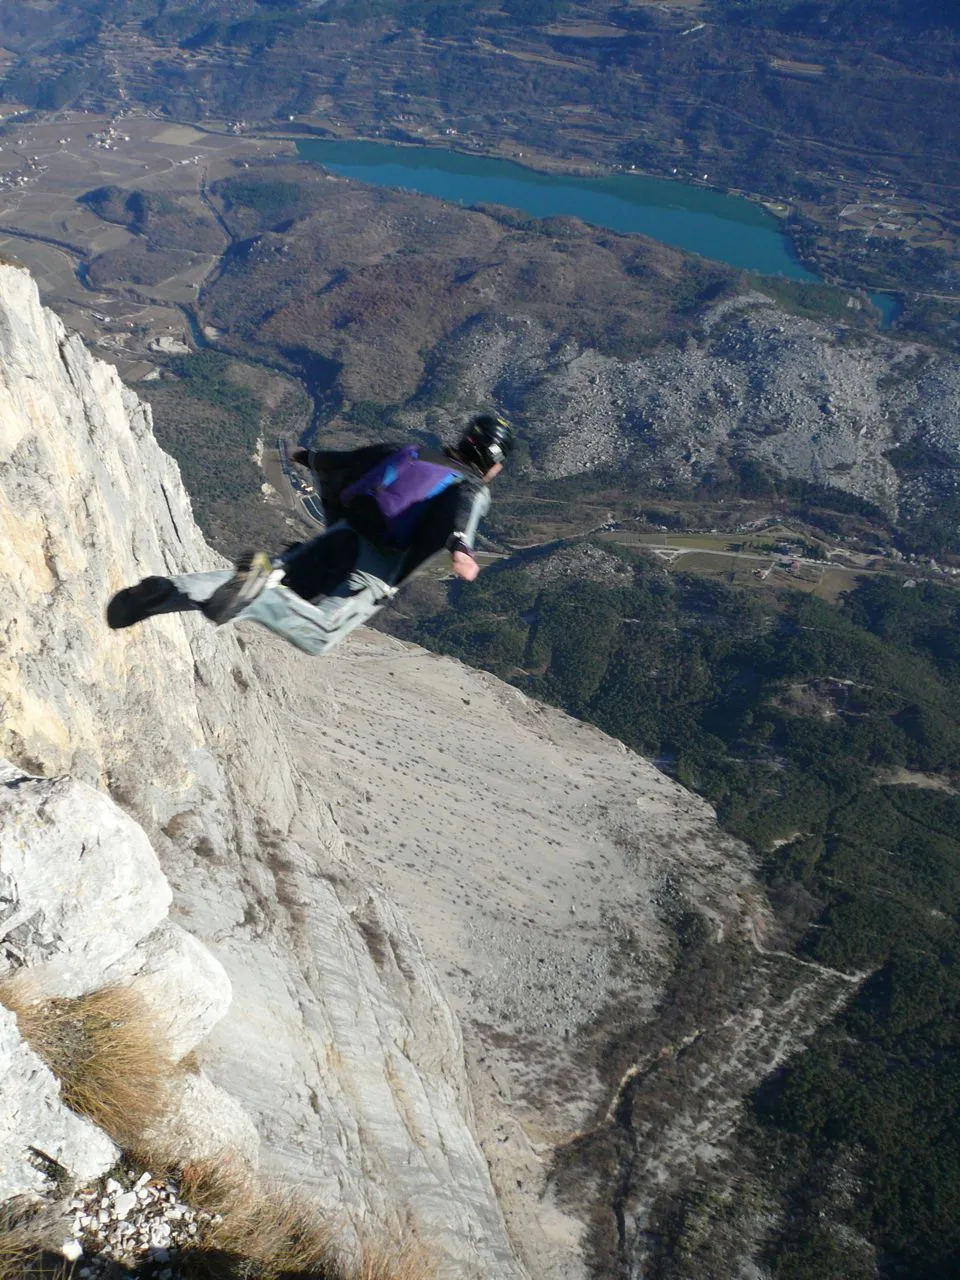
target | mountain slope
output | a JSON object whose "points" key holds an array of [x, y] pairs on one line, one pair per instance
{"points": [[345, 1062], [332, 830]]}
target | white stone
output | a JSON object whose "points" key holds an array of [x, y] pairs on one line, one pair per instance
{"points": [[32, 1118], [125, 1202], [184, 984], [86, 884]]}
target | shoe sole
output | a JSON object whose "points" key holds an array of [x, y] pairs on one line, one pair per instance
{"points": [[233, 596]]}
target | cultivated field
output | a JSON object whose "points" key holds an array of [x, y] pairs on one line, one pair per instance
{"points": [[45, 168]]}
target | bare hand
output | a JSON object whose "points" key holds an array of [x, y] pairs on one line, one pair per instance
{"points": [[465, 566]]}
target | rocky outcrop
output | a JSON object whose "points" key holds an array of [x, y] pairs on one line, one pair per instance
{"points": [[80, 883], [85, 906], [813, 401], [339, 1042]]}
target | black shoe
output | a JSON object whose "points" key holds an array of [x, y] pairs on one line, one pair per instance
{"points": [[133, 604], [232, 597]]}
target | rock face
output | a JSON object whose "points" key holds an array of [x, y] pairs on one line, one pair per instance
{"points": [[377, 849], [339, 1042], [546, 868]]}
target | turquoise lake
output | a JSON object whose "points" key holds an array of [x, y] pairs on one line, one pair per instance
{"points": [[725, 228]]}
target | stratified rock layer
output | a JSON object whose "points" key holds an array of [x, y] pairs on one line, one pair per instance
{"points": [[543, 865], [339, 1042]]}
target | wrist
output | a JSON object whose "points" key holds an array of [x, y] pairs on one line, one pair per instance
{"points": [[457, 542]]}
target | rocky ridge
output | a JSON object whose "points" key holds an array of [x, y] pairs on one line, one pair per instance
{"points": [[818, 403]]}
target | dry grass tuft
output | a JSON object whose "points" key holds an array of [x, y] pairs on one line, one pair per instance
{"points": [[18, 1246], [106, 1051], [23, 1255], [214, 1185], [409, 1261], [272, 1234]]}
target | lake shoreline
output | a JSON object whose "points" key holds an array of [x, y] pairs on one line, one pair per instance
{"points": [[716, 225], [541, 162], [887, 301]]}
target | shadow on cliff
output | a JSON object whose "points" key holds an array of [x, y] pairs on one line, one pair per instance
{"points": [[203, 1264], [163, 1264]]}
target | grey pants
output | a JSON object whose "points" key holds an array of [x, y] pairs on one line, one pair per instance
{"points": [[314, 625]]}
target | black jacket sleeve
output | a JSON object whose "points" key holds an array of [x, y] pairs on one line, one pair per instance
{"points": [[450, 522], [335, 469]]}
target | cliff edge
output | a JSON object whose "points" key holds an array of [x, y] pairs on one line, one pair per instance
{"points": [[447, 925], [344, 1054]]}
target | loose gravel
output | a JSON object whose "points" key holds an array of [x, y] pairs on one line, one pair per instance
{"points": [[134, 1222]]}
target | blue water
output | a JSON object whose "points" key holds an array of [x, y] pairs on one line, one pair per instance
{"points": [[726, 228], [889, 306]]}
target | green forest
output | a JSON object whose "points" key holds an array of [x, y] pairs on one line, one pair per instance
{"points": [[209, 412], [801, 722]]}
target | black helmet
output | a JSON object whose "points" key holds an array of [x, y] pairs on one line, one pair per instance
{"points": [[487, 440]]}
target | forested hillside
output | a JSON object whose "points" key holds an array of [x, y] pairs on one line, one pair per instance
{"points": [[829, 738]]}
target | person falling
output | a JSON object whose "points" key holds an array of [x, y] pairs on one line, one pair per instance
{"points": [[389, 509]]}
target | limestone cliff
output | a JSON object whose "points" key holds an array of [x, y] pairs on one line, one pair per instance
{"points": [[377, 849], [346, 1056]]}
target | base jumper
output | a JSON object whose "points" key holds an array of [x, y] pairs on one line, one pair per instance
{"points": [[389, 508]]}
